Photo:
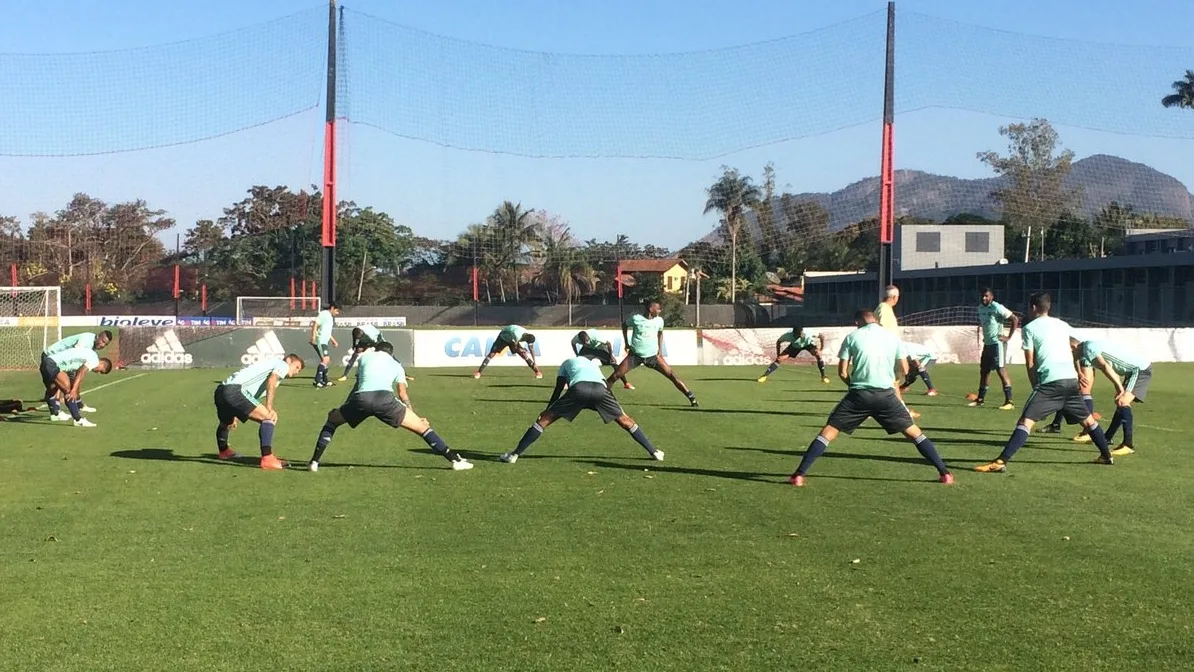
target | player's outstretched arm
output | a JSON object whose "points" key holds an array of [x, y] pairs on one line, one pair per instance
{"points": [[78, 382], [314, 330], [271, 387], [403, 396], [1013, 324], [1030, 366], [1103, 366], [843, 370], [779, 347], [561, 382]]}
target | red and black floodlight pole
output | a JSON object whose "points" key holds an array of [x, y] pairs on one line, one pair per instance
{"points": [[329, 168], [887, 171]]}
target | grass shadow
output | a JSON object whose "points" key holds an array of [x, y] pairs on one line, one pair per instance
{"points": [[688, 471], [539, 386], [738, 411], [831, 455], [168, 455]]}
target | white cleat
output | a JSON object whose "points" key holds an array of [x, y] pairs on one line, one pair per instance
{"points": [[461, 465], [658, 455], [312, 466], [62, 416], [84, 422], [86, 409], [508, 458]]}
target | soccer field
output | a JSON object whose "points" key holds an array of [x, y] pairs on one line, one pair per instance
{"points": [[130, 547]]}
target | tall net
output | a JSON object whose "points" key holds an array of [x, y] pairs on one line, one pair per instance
{"points": [[250, 309], [29, 323]]}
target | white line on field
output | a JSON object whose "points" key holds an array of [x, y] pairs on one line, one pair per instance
{"points": [[100, 387], [1160, 429]]}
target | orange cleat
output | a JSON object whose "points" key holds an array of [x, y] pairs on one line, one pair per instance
{"points": [[228, 454], [271, 462]]}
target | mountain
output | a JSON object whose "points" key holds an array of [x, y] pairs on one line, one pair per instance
{"points": [[1101, 178]]}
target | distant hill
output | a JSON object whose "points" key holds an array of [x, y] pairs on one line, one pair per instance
{"points": [[1102, 178]]}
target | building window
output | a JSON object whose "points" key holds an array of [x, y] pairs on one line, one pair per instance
{"points": [[670, 279], [928, 241], [978, 241]]}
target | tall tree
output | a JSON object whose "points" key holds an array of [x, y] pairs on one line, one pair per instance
{"points": [[1032, 194], [1183, 93], [731, 195], [770, 239], [515, 229]]}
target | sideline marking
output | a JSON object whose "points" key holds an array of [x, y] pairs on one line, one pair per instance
{"points": [[96, 388]]}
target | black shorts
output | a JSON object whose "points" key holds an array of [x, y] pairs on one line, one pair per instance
{"points": [[321, 351], [1059, 395], [994, 357], [231, 403], [882, 405], [1140, 386], [651, 362], [501, 344], [592, 396], [49, 371], [364, 343], [600, 354], [793, 351], [380, 404]]}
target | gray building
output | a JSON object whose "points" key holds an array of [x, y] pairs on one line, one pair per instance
{"points": [[920, 246], [1153, 241]]}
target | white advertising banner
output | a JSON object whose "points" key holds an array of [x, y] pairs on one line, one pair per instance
{"points": [[467, 347]]}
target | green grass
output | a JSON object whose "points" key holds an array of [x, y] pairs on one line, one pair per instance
{"points": [[129, 547]]}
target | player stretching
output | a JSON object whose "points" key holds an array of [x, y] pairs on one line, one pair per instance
{"points": [[919, 359], [321, 336], [512, 336], [587, 389], [237, 399], [88, 341], [1086, 388], [993, 317], [1128, 372], [1050, 363], [868, 361], [364, 337], [643, 335], [590, 344], [63, 372], [373, 397], [790, 345], [886, 318]]}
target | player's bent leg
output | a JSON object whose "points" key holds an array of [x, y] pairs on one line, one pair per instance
{"points": [[421, 426], [1014, 443], [627, 423], [666, 369], [815, 449], [1099, 439], [620, 372], [928, 450], [773, 367], [545, 420], [334, 420]]}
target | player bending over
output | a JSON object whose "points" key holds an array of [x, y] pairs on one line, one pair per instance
{"points": [[63, 373], [1050, 363], [364, 338], [643, 335], [1128, 372], [512, 336], [373, 397], [587, 389], [1086, 388], [790, 345], [87, 340], [993, 318], [590, 344], [919, 359], [321, 337], [237, 400]]}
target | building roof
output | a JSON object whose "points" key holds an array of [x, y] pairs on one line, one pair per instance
{"points": [[650, 265]]}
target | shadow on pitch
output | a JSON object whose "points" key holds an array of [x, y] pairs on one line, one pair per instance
{"points": [[254, 461], [689, 471], [835, 455], [738, 411]]}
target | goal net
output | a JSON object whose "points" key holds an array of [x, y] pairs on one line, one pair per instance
{"points": [[250, 308], [29, 323]]}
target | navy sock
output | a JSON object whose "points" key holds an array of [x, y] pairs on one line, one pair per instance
{"points": [[1127, 416], [325, 438], [484, 363], [1056, 422], [437, 444], [924, 375], [1089, 401], [1007, 393], [532, 435], [1100, 440], [1116, 421], [222, 438], [321, 373], [815, 450], [690, 395], [909, 379], [266, 436], [1015, 443], [73, 407], [821, 367], [982, 392], [929, 452], [771, 369], [642, 439], [55, 407]]}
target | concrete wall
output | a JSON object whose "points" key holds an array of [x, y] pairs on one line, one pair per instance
{"points": [[952, 251]]}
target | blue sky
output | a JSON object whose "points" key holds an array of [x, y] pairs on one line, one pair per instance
{"points": [[956, 85]]}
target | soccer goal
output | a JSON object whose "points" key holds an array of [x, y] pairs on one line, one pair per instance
{"points": [[30, 321], [278, 307]]}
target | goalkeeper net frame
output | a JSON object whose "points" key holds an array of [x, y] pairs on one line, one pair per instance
{"points": [[30, 322]]}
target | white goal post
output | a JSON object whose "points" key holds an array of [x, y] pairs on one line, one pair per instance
{"points": [[30, 322], [249, 308]]}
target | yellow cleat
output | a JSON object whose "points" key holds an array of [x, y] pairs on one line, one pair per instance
{"points": [[1122, 449], [913, 413], [825, 380], [1008, 407], [1082, 437], [342, 378], [762, 379], [996, 467]]}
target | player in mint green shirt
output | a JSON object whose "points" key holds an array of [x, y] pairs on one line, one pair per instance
{"points": [[378, 376], [364, 338], [512, 337], [994, 321], [868, 362], [589, 343], [643, 335], [62, 374], [920, 358], [321, 337], [587, 389], [87, 340], [789, 346], [238, 399], [1129, 372], [1049, 358]]}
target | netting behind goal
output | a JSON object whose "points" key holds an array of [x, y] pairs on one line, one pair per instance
{"points": [[249, 308], [29, 322]]}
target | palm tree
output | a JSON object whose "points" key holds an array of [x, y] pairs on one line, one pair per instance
{"points": [[564, 266], [1183, 93], [731, 195], [514, 229]]}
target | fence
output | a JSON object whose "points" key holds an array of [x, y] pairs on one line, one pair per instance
{"points": [[201, 155]]}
